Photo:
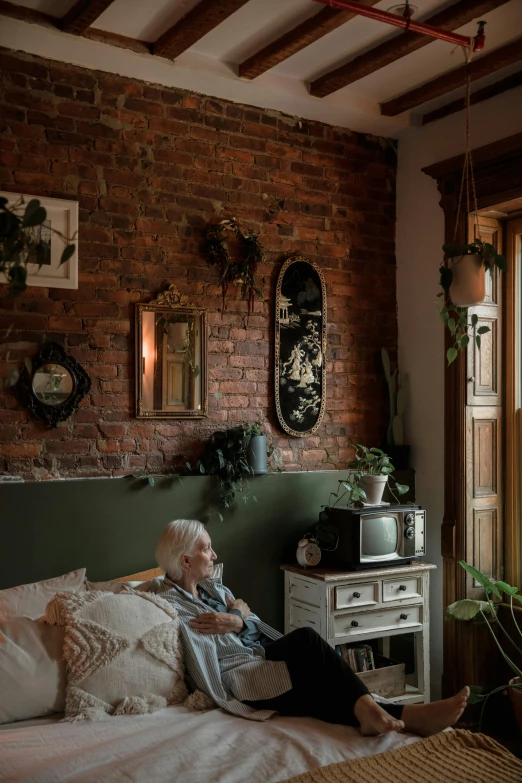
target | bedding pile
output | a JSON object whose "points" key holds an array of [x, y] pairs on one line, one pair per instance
{"points": [[449, 757]]}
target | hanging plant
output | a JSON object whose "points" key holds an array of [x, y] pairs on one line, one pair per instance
{"points": [[482, 257], [463, 280], [217, 253]]}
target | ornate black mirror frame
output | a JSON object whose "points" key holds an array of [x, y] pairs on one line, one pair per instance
{"points": [[52, 414], [300, 347], [172, 301]]}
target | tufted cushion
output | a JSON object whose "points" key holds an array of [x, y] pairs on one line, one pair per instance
{"points": [[123, 652]]}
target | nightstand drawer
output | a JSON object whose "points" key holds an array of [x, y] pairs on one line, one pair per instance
{"points": [[305, 592], [389, 620], [300, 617], [347, 596], [395, 589]]}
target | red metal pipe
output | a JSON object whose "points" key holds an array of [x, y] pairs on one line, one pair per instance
{"points": [[407, 24]]}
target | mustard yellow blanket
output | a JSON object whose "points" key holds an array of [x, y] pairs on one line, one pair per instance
{"points": [[450, 757]]}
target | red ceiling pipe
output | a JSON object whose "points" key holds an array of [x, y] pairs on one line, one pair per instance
{"points": [[477, 43]]}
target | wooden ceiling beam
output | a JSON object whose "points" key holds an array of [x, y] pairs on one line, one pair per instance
{"points": [[207, 15], [82, 15], [482, 66], [451, 18], [509, 83], [294, 40]]}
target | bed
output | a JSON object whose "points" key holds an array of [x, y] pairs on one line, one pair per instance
{"points": [[179, 744]]}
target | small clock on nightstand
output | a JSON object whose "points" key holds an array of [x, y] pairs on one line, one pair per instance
{"points": [[308, 552]]}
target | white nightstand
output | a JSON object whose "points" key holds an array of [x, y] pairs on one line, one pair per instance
{"points": [[352, 606]]}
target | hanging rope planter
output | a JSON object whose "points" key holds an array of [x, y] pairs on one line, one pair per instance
{"points": [[217, 253], [462, 273]]}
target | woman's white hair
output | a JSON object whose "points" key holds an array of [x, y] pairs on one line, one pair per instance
{"points": [[178, 538]]}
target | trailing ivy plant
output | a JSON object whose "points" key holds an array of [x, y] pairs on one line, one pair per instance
{"points": [[457, 318], [216, 253], [225, 457]]}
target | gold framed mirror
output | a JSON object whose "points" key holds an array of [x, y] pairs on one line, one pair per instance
{"points": [[171, 358]]}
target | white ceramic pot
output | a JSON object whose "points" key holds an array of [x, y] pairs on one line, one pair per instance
{"points": [[374, 488], [468, 286]]}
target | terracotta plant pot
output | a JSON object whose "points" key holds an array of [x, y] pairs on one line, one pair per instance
{"points": [[374, 488], [515, 694], [468, 286]]}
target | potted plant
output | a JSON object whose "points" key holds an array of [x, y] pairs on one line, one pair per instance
{"points": [[371, 469], [471, 610], [395, 446], [257, 451], [225, 456], [463, 286]]}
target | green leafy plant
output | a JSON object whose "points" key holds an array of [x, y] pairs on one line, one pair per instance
{"points": [[225, 457], [216, 253], [457, 318], [473, 610], [21, 244], [367, 462], [256, 428]]}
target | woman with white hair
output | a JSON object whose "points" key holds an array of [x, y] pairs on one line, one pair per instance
{"points": [[250, 669]]}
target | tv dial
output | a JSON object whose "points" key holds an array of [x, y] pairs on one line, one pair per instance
{"points": [[409, 532], [409, 519]]}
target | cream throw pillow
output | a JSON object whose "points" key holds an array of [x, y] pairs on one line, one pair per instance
{"points": [[32, 669], [123, 653], [30, 600]]}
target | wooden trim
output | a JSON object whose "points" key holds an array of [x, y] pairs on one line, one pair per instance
{"points": [[295, 40], [509, 83], [82, 15], [513, 343], [482, 66], [207, 15], [121, 41], [499, 172], [450, 19]]}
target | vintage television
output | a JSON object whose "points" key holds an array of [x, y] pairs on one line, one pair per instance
{"points": [[372, 536]]}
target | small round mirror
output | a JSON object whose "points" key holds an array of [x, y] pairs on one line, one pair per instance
{"points": [[52, 384]]}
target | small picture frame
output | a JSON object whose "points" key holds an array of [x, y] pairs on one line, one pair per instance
{"points": [[62, 215]]}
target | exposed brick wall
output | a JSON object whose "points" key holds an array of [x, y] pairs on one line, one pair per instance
{"points": [[149, 167]]}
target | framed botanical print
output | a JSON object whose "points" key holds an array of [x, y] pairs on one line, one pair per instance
{"points": [[62, 219], [300, 347]]}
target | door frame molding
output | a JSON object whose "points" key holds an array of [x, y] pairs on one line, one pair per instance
{"points": [[498, 178]]}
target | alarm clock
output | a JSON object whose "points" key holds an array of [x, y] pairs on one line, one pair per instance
{"points": [[308, 552]]}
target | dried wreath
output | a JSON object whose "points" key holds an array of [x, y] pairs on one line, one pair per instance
{"points": [[216, 252]]}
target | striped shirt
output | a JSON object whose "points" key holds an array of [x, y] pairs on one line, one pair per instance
{"points": [[219, 664]]}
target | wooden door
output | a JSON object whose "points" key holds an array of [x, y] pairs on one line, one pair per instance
{"points": [[484, 434]]}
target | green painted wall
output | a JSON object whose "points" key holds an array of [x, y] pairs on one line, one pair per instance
{"points": [[111, 526]]}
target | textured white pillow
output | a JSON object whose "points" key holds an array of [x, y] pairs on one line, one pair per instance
{"points": [[32, 669], [30, 600], [123, 652]]}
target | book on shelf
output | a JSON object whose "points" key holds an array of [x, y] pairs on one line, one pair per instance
{"points": [[359, 658]]}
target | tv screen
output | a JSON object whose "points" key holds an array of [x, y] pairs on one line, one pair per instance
{"points": [[378, 535]]}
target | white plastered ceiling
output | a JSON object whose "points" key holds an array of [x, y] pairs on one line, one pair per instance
{"points": [[210, 65]]}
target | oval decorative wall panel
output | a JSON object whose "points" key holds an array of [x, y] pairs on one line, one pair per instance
{"points": [[300, 347]]}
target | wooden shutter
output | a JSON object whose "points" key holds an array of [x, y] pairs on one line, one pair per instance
{"points": [[484, 432]]}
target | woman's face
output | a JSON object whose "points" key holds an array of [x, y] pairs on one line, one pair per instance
{"points": [[202, 561]]}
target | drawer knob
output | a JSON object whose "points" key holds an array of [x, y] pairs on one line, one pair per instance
{"points": [[354, 623], [402, 587], [356, 595], [404, 616]]}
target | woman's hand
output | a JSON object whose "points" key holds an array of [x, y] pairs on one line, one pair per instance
{"points": [[239, 604], [217, 622]]}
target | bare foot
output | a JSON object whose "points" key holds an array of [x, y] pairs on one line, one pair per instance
{"points": [[428, 719], [373, 719]]}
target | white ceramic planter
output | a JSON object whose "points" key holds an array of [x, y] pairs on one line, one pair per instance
{"points": [[374, 488], [468, 286]]}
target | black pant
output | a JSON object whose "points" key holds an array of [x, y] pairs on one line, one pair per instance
{"points": [[323, 685]]}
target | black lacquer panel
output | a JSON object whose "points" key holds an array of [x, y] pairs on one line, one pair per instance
{"points": [[300, 347]]}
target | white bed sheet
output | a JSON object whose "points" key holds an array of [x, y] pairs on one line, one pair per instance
{"points": [[178, 744]]}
